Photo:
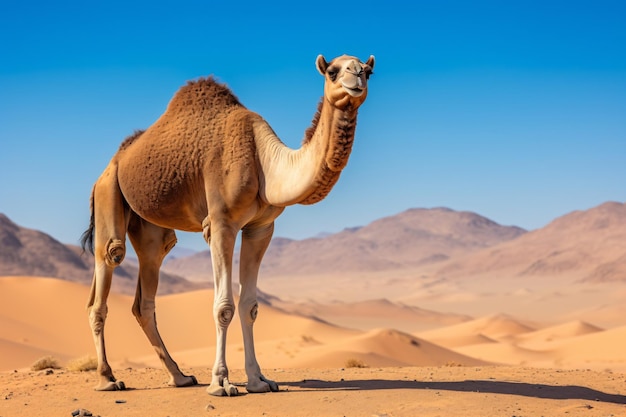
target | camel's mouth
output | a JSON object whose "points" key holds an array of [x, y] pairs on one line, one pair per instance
{"points": [[354, 82], [353, 91]]}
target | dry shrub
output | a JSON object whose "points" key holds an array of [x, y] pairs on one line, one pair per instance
{"points": [[83, 364], [47, 362], [355, 363]]}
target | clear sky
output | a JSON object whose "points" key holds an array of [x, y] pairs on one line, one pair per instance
{"points": [[514, 110]]}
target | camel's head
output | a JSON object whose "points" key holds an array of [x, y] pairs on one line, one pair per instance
{"points": [[346, 79]]}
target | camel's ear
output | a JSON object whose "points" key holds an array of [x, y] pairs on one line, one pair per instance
{"points": [[371, 61], [321, 64]]}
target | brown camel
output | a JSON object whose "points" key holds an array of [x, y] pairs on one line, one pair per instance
{"points": [[210, 165]]}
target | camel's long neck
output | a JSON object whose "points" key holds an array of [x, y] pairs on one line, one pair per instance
{"points": [[306, 175]]}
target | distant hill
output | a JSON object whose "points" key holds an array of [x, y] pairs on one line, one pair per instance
{"points": [[589, 245], [28, 252], [412, 238]]}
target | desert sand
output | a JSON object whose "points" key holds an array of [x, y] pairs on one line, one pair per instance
{"points": [[406, 391], [448, 364]]}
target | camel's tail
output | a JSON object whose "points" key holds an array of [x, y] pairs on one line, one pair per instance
{"points": [[86, 240]]}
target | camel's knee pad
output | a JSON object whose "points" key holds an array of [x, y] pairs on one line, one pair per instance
{"points": [[253, 312], [224, 314], [115, 252]]}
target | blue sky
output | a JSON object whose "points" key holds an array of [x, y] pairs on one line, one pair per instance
{"points": [[513, 110]]}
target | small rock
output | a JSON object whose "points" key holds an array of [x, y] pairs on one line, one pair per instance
{"points": [[81, 412], [120, 401], [209, 407]]}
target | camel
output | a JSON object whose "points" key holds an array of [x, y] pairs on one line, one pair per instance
{"points": [[210, 165]]}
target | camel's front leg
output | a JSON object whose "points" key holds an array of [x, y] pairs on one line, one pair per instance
{"points": [[222, 245], [253, 245]]}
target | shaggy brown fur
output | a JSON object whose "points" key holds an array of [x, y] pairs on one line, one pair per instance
{"points": [[337, 157], [308, 133], [130, 139]]}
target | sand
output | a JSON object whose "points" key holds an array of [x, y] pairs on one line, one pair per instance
{"points": [[405, 391], [455, 365]]}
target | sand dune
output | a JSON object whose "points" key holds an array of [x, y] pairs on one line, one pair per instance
{"points": [[539, 338], [17, 355], [505, 340], [43, 316], [461, 368], [50, 315], [508, 354], [487, 329], [581, 346], [605, 347], [368, 314], [36, 323], [376, 346]]}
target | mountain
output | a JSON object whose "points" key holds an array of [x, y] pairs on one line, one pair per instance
{"points": [[439, 243], [196, 267], [28, 252], [416, 237], [589, 245]]}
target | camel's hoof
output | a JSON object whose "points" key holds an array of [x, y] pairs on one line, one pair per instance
{"points": [[261, 385], [111, 386], [183, 381], [223, 390], [273, 385]]}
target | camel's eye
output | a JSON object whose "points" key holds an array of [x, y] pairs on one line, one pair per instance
{"points": [[332, 73]]}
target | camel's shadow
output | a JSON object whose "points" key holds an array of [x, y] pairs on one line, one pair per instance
{"points": [[554, 392]]}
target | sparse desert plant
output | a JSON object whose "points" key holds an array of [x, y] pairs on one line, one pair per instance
{"points": [[82, 364], [355, 363], [47, 362]]}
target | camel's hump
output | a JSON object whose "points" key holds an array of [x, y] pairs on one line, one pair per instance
{"points": [[204, 93]]}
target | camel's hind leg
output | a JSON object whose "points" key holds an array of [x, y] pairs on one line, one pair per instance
{"points": [[109, 219], [152, 243]]}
